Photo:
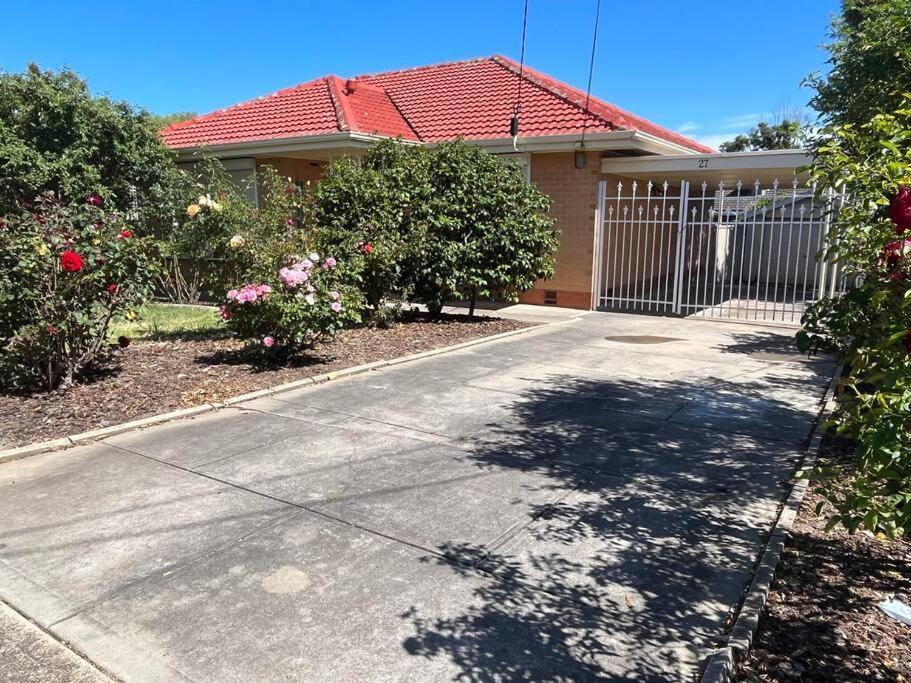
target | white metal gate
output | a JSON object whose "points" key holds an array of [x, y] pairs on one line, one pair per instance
{"points": [[743, 252]]}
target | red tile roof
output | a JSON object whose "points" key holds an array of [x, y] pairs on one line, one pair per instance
{"points": [[473, 99]]}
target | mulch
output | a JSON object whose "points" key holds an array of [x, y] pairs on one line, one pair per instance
{"points": [[154, 377], [821, 622]]}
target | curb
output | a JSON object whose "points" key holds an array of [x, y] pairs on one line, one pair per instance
{"points": [[720, 665], [84, 437]]}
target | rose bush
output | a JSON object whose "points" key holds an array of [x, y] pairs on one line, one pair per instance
{"points": [[218, 237], [307, 302], [66, 272], [870, 325]]}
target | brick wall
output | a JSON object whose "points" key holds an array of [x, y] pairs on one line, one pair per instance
{"points": [[574, 198]]}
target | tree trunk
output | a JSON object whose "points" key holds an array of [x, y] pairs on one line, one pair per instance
{"points": [[472, 302]]}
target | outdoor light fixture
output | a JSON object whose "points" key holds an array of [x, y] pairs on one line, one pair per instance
{"points": [[580, 158]]}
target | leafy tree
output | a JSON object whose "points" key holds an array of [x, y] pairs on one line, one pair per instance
{"points": [[488, 232], [55, 136], [870, 54], [788, 134], [161, 121]]}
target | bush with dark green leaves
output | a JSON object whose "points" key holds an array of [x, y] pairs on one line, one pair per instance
{"points": [[56, 136], [372, 214], [487, 230], [432, 226], [870, 58]]}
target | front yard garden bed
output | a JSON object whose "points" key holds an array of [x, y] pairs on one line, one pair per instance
{"points": [[181, 357], [821, 621]]}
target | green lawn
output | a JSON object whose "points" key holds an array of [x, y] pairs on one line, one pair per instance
{"points": [[169, 321]]}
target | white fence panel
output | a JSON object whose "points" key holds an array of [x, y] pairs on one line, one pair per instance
{"points": [[743, 252]]}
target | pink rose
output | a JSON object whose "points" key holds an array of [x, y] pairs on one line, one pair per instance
{"points": [[336, 306], [329, 263], [293, 277], [268, 342], [334, 296]]}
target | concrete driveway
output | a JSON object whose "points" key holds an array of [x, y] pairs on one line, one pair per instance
{"points": [[583, 501]]}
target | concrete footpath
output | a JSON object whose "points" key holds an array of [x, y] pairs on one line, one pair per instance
{"points": [[583, 501]]}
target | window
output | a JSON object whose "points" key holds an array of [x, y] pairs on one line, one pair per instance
{"points": [[523, 158], [241, 171]]}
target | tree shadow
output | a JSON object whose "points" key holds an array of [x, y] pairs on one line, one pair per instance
{"points": [[767, 346], [638, 571]]}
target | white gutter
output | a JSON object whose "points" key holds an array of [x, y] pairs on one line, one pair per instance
{"points": [[611, 140], [277, 146]]}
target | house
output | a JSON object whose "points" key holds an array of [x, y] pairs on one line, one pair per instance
{"points": [[298, 129]]}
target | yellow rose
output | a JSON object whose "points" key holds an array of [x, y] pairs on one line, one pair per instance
{"points": [[192, 210], [41, 248]]}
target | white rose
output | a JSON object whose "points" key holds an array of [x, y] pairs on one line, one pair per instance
{"points": [[314, 257], [237, 242]]}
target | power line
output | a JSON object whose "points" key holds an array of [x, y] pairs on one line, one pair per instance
{"points": [[514, 123], [591, 70]]}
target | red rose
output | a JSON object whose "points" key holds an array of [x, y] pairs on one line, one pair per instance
{"points": [[71, 262], [891, 253], [95, 199], [368, 248], [900, 209], [112, 289], [50, 329], [126, 234]]}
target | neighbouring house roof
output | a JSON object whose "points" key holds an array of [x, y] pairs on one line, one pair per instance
{"points": [[472, 99]]}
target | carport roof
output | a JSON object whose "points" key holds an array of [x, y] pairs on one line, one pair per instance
{"points": [[472, 99], [748, 167]]}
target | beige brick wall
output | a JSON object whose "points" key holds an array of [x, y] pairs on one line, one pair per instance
{"points": [[574, 198]]}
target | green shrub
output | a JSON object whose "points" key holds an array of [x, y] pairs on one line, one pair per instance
{"points": [[55, 136], [434, 225], [870, 325], [66, 272], [371, 214], [488, 232]]}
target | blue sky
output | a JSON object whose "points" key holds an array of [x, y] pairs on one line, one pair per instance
{"points": [[707, 68]]}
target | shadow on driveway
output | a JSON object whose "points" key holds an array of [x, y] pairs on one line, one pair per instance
{"points": [[637, 572]]}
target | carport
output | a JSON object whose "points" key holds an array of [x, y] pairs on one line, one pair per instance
{"points": [[728, 235]]}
